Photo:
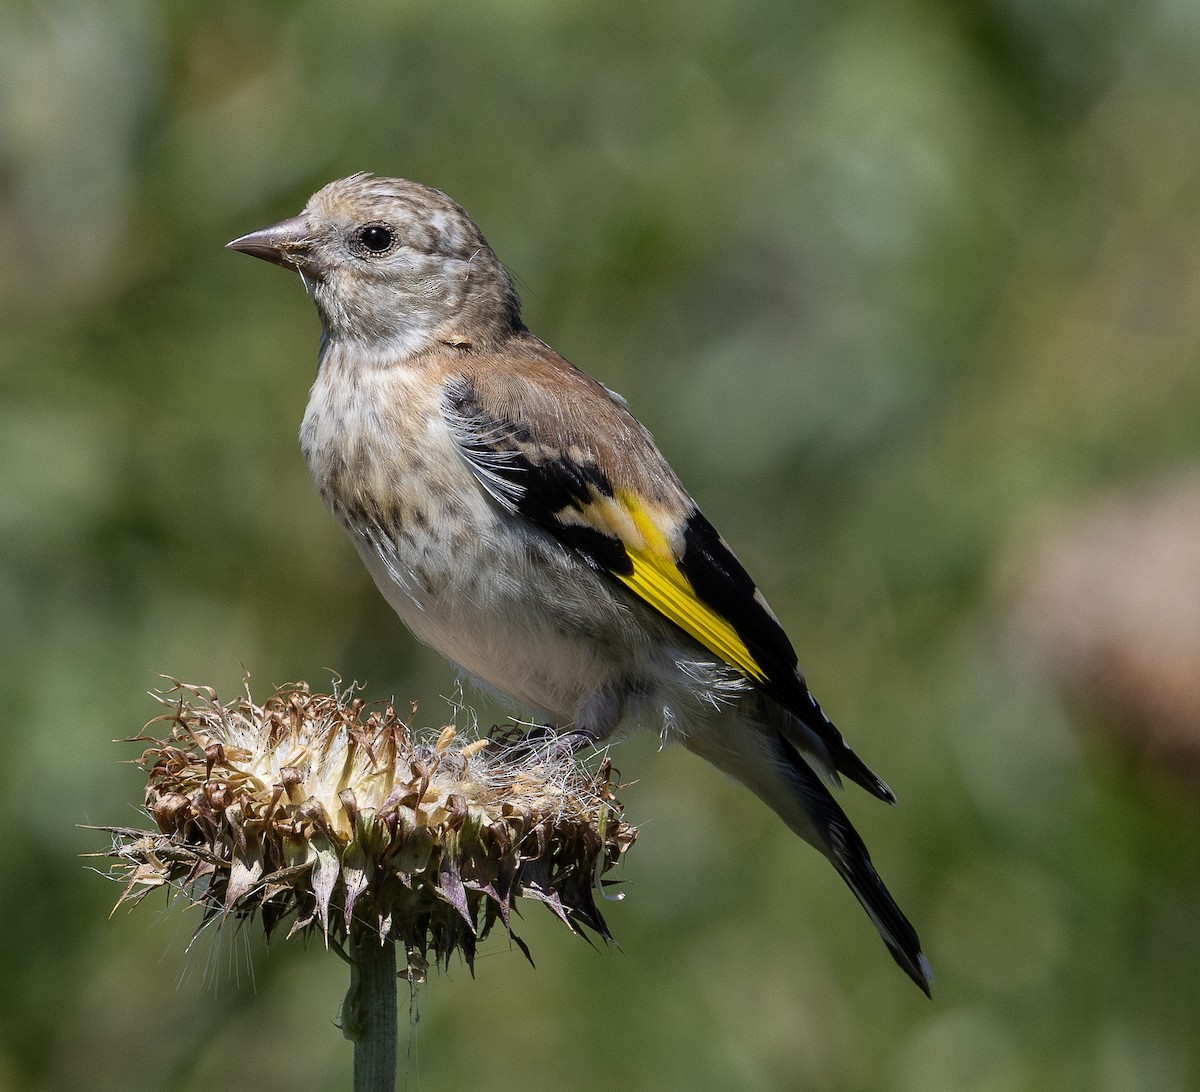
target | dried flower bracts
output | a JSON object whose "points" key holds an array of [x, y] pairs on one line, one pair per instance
{"points": [[333, 814]]}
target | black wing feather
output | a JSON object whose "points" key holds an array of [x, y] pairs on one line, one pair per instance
{"points": [[721, 581], [537, 490]]}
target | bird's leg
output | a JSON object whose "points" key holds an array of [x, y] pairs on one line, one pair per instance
{"points": [[596, 718]]}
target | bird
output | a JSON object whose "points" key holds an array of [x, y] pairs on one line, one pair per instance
{"points": [[522, 522]]}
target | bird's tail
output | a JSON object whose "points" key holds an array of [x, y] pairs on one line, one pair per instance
{"points": [[769, 765], [830, 830]]}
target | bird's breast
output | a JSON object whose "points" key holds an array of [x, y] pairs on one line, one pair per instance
{"points": [[378, 448]]}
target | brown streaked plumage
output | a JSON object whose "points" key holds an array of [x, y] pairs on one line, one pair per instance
{"points": [[571, 410], [521, 521]]}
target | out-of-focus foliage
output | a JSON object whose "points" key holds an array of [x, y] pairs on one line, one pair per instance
{"points": [[889, 282]]}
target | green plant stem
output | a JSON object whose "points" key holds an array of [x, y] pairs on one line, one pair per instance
{"points": [[369, 1013]]}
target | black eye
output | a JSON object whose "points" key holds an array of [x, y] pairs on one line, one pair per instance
{"points": [[376, 238]]}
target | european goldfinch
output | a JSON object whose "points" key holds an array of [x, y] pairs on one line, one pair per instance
{"points": [[523, 523]]}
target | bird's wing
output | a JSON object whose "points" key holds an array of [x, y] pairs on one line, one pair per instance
{"points": [[552, 445]]}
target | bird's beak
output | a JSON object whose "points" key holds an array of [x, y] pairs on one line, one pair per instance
{"points": [[288, 243]]}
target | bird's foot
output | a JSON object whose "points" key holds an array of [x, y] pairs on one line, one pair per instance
{"points": [[542, 741]]}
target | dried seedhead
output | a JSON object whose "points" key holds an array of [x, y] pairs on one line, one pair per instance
{"points": [[328, 812]]}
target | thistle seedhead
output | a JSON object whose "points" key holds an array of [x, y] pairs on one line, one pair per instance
{"points": [[333, 814]]}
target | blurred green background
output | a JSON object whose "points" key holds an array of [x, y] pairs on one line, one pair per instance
{"points": [[889, 281]]}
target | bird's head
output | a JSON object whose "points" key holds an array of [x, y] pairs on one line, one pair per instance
{"points": [[394, 265]]}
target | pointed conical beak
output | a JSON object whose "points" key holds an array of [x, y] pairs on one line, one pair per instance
{"points": [[288, 243]]}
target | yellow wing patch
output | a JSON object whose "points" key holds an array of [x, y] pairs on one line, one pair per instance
{"points": [[656, 579]]}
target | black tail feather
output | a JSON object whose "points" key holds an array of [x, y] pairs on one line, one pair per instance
{"points": [[849, 856]]}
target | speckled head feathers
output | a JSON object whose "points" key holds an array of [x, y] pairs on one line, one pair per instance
{"points": [[394, 264], [422, 218]]}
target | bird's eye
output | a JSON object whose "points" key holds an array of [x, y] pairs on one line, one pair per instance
{"points": [[376, 238]]}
